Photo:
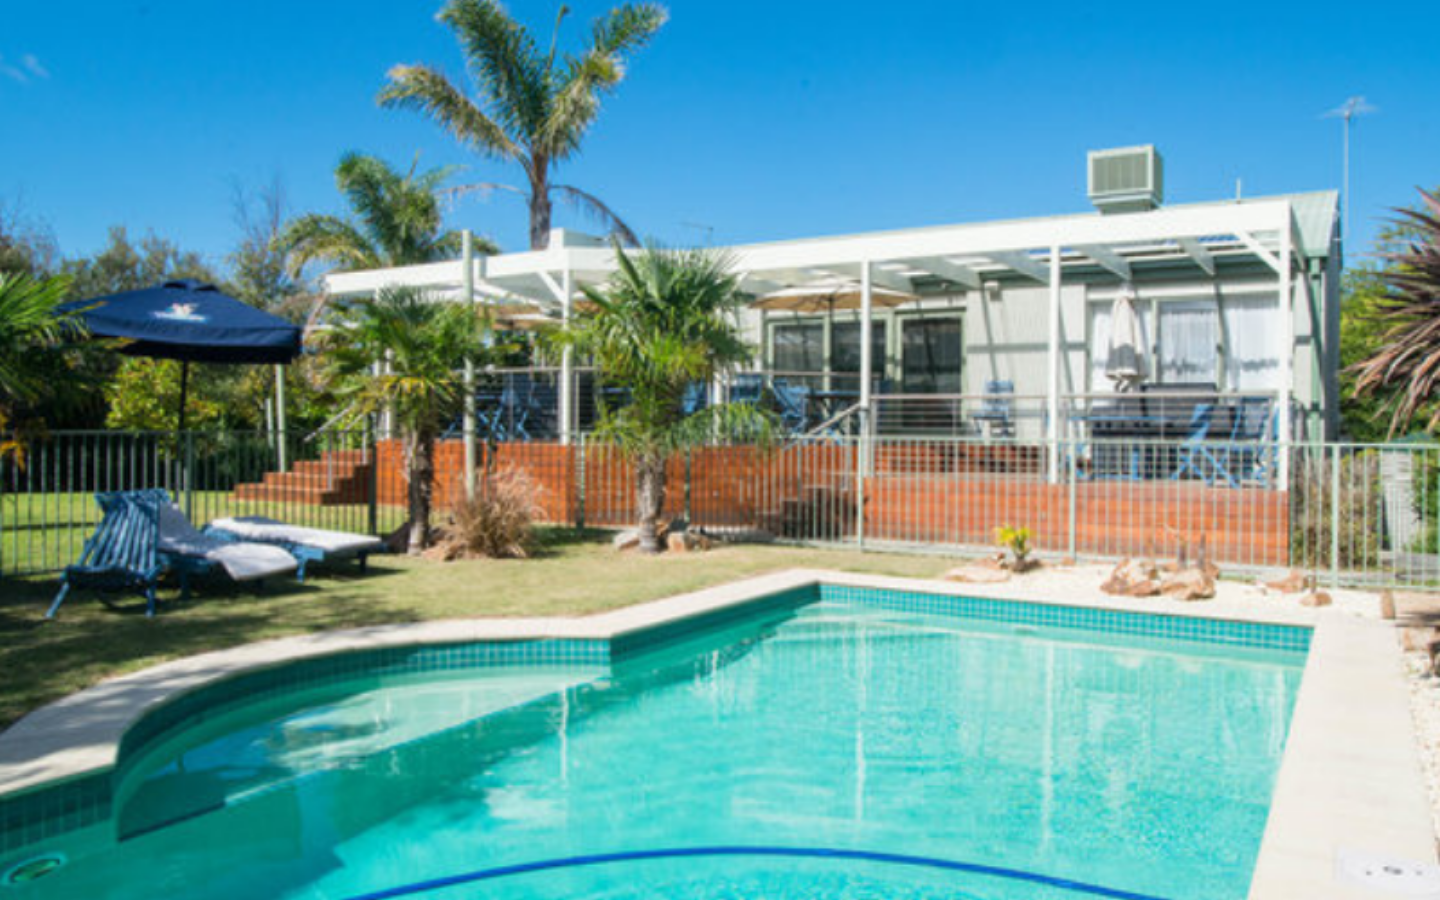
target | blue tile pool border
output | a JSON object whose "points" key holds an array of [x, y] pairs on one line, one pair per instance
{"points": [[44, 812]]}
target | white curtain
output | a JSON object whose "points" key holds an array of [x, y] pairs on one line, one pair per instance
{"points": [[1189, 335], [1250, 323]]}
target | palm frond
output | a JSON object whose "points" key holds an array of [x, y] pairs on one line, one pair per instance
{"points": [[504, 62], [30, 325], [426, 90], [595, 208], [321, 238]]}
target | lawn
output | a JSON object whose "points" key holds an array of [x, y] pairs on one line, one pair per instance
{"points": [[575, 575]]}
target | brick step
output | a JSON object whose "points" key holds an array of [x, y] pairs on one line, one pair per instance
{"points": [[337, 468], [272, 493]]}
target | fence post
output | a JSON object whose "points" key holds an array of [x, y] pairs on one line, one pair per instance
{"points": [[1335, 515], [1071, 474], [860, 491], [578, 449], [189, 483], [688, 470]]}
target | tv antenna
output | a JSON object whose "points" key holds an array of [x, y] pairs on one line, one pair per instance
{"points": [[1355, 106]]}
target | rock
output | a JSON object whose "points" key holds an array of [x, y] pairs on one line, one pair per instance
{"points": [[628, 539], [1133, 578], [1316, 599], [1414, 640], [1293, 582], [686, 542], [981, 572], [1188, 585], [1387, 605]]}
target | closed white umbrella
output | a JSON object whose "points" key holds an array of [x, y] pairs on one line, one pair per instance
{"points": [[1125, 359]]}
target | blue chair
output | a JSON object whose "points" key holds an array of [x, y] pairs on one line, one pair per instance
{"points": [[794, 403], [696, 398], [997, 408], [1255, 439], [122, 555], [1196, 455], [747, 387]]}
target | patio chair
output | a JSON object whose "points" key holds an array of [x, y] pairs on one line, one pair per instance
{"points": [[305, 544], [1196, 455], [695, 398], [997, 408], [794, 403], [747, 387], [1254, 439], [122, 554]]}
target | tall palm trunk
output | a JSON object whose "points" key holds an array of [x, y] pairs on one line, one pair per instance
{"points": [[650, 494], [421, 451], [540, 213]]}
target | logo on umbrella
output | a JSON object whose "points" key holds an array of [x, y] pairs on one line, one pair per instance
{"points": [[180, 312]]}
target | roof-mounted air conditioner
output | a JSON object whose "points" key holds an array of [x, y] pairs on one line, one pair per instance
{"points": [[1126, 179]]}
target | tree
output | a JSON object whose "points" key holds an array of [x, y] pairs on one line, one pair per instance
{"points": [[26, 245], [665, 320], [33, 370], [423, 342], [261, 272], [397, 220], [126, 266], [1405, 369], [531, 108]]}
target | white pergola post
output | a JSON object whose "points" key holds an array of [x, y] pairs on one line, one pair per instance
{"points": [[280, 423], [1285, 352], [867, 309], [467, 281], [567, 358], [1052, 370]]}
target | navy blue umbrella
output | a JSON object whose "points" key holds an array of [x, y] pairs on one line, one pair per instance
{"points": [[192, 322]]}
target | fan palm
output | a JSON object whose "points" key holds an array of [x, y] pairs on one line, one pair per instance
{"points": [[31, 328], [397, 221], [423, 342], [532, 108], [666, 319], [1409, 358]]}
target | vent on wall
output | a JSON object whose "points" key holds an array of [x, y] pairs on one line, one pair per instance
{"points": [[1126, 179]]}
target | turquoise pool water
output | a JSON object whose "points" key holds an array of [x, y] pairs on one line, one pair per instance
{"points": [[836, 750]]}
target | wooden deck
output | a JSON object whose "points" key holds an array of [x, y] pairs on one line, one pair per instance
{"points": [[919, 494]]}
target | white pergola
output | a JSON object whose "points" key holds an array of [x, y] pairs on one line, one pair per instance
{"points": [[947, 258]]}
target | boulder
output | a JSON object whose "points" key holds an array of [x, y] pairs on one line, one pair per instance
{"points": [[1188, 585], [1133, 578], [628, 539], [1316, 599], [1293, 582], [984, 571], [686, 542]]}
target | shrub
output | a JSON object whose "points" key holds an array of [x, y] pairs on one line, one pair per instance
{"points": [[1017, 541], [499, 521], [1314, 507]]}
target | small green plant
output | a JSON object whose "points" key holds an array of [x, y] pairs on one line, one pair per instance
{"points": [[1017, 541]]}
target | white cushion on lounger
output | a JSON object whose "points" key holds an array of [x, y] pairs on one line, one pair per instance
{"points": [[242, 562], [260, 528]]}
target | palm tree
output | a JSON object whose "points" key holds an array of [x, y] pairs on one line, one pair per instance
{"points": [[666, 319], [31, 329], [531, 108], [1409, 358], [398, 220], [424, 341]]}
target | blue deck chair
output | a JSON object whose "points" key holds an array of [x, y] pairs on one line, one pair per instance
{"points": [[695, 399], [1196, 456], [1255, 436], [997, 408], [747, 387], [122, 555], [794, 403]]}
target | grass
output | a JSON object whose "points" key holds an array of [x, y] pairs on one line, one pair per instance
{"points": [[575, 575]]}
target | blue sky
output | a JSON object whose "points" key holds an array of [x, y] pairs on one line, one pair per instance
{"points": [[745, 120]]}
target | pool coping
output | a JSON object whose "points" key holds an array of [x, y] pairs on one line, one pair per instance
{"points": [[1350, 777]]}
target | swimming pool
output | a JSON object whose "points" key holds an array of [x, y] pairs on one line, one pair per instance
{"points": [[833, 743]]}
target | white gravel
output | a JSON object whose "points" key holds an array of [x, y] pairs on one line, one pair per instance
{"points": [[1425, 709]]}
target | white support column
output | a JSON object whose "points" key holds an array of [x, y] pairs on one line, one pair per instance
{"points": [[467, 280], [867, 310], [1052, 370], [1286, 352], [567, 359]]}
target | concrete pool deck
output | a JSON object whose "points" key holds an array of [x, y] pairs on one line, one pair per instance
{"points": [[1350, 779]]}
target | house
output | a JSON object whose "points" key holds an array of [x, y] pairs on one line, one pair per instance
{"points": [[1002, 329]]}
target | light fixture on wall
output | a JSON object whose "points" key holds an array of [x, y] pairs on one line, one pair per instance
{"points": [[992, 291]]}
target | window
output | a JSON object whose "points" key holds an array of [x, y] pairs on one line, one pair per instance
{"points": [[1188, 340], [845, 352], [930, 353], [1250, 324], [798, 347]]}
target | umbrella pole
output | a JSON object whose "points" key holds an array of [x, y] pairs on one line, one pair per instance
{"points": [[184, 391]]}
